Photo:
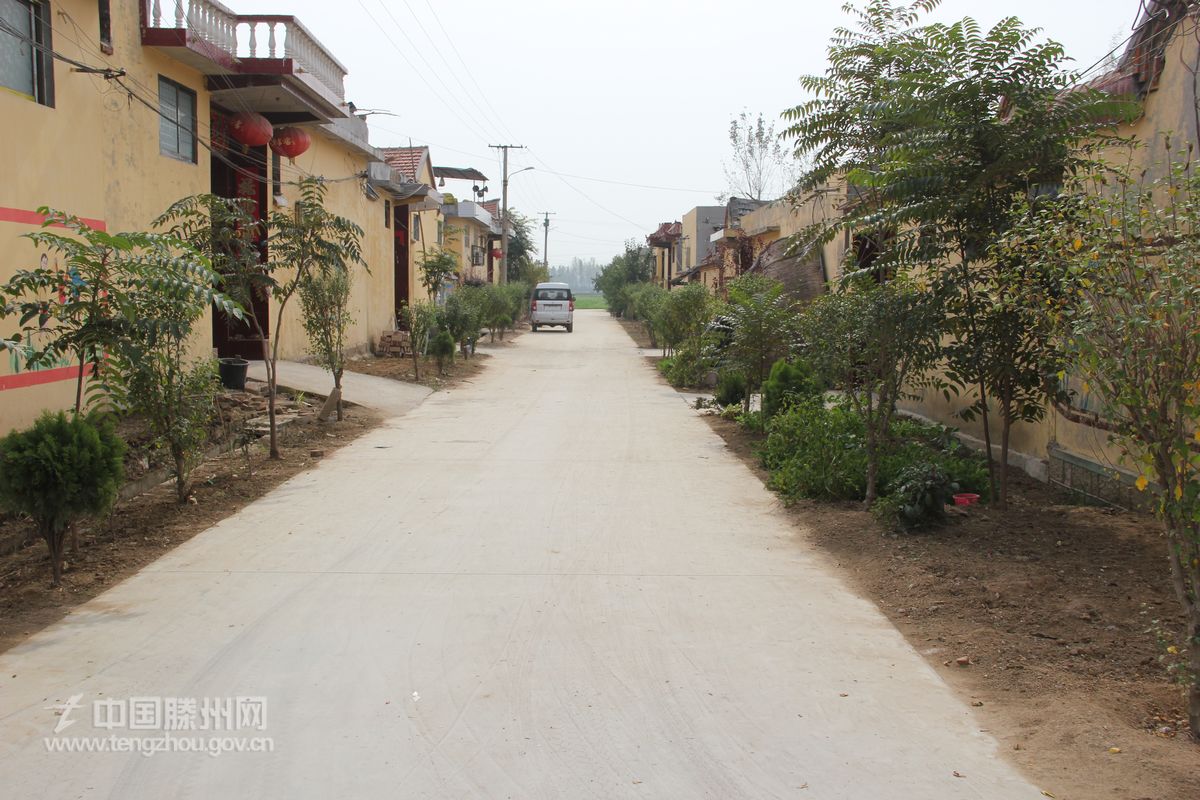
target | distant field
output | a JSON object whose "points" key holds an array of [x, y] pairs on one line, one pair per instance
{"points": [[590, 301]]}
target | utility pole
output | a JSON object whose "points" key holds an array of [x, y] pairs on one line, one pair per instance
{"points": [[546, 239], [504, 209]]}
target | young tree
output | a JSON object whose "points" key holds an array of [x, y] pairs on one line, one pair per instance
{"points": [[325, 303], [463, 316], [1128, 314], [684, 316], [58, 471], [224, 230], [877, 343], [761, 168], [308, 240], [110, 289], [421, 320], [763, 323], [438, 267], [937, 130], [634, 266], [521, 248]]}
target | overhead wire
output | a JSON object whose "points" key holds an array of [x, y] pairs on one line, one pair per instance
{"points": [[255, 160], [441, 97], [470, 74], [449, 68]]}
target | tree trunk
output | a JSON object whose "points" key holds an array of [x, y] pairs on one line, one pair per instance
{"points": [[337, 387], [1193, 691], [1005, 429], [54, 544], [183, 478], [416, 362], [79, 390]]}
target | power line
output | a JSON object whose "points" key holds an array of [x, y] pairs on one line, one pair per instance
{"points": [[470, 75], [449, 68], [634, 185], [419, 73], [584, 194]]}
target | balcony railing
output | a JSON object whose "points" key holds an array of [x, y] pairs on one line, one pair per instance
{"points": [[245, 39]]}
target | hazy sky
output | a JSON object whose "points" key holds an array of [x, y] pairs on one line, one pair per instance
{"points": [[622, 91]]}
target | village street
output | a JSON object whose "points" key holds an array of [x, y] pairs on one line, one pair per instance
{"points": [[554, 582]]}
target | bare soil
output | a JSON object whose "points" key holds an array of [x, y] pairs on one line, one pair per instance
{"points": [[637, 332], [1041, 618], [461, 370], [140, 530], [401, 369]]}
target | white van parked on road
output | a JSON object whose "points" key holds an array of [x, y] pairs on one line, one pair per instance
{"points": [[552, 304]]}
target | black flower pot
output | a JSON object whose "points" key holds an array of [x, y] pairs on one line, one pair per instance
{"points": [[233, 372]]}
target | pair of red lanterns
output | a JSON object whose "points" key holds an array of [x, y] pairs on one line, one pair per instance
{"points": [[255, 130]]}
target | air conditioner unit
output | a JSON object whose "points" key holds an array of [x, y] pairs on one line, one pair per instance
{"points": [[379, 171]]}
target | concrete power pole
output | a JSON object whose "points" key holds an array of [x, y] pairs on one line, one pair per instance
{"points": [[546, 240], [504, 209]]}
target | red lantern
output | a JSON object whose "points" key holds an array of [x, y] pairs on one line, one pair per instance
{"points": [[497, 254], [290, 141], [251, 129]]}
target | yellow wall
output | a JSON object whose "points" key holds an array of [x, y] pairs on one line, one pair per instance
{"points": [[94, 154], [461, 233], [372, 293]]}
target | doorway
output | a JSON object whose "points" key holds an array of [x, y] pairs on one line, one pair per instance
{"points": [[400, 229], [243, 175]]}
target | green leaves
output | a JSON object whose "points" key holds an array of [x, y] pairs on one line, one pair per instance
{"points": [[103, 296]]}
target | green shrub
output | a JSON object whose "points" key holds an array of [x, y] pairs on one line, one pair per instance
{"points": [[816, 452], [788, 384], [917, 497], [58, 471], [688, 366], [751, 420], [731, 388], [443, 349], [819, 453]]}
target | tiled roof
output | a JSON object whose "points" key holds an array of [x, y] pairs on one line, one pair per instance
{"points": [[666, 233], [493, 207], [406, 159]]}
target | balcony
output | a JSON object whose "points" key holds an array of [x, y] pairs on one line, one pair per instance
{"points": [[269, 63]]}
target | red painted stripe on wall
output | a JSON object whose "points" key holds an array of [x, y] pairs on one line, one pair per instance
{"points": [[27, 217], [23, 380]]}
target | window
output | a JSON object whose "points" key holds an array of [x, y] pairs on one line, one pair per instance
{"points": [[416, 227], [106, 42], [387, 213], [26, 63], [177, 121]]}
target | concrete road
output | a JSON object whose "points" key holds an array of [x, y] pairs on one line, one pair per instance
{"points": [[554, 583]]}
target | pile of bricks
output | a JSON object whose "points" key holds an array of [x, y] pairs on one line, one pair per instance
{"points": [[394, 343]]}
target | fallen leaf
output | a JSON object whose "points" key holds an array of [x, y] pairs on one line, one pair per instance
{"points": [[1114, 750], [958, 774]]}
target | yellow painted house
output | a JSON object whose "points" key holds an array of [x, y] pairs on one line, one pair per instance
{"points": [[117, 108]]}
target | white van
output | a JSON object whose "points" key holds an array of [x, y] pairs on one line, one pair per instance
{"points": [[552, 304]]}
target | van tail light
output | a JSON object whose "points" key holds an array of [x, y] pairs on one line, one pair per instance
{"points": [[572, 308], [533, 305]]}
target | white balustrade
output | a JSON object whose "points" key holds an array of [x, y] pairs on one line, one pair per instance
{"points": [[252, 36]]}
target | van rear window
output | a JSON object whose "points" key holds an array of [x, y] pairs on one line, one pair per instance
{"points": [[553, 294]]}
